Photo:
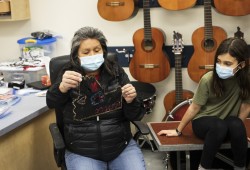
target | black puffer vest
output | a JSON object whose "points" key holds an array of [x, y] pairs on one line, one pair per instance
{"points": [[100, 130]]}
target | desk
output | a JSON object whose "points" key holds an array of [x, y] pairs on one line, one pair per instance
{"points": [[28, 108], [25, 140], [186, 142]]}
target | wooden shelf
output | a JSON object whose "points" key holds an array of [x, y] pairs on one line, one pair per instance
{"points": [[20, 10]]}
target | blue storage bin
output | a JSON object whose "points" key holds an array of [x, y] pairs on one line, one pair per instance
{"points": [[32, 48]]}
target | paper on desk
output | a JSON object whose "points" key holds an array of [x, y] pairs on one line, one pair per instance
{"points": [[5, 91], [10, 101], [4, 111], [26, 91], [42, 93]]}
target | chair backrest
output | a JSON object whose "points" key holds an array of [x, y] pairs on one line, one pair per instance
{"points": [[55, 66]]}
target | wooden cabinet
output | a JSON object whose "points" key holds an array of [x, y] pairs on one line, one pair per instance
{"points": [[20, 10]]}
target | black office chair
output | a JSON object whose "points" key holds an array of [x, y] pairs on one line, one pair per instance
{"points": [[56, 129]]}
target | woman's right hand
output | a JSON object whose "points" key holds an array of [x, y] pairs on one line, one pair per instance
{"points": [[171, 132], [70, 79]]}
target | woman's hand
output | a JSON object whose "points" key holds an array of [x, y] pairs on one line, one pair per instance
{"points": [[171, 132], [248, 139], [129, 92], [70, 79]]}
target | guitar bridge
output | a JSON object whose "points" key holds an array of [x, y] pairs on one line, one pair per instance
{"points": [[115, 4], [149, 66], [207, 67]]}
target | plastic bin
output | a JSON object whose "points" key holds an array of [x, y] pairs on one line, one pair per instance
{"points": [[33, 48], [29, 76]]}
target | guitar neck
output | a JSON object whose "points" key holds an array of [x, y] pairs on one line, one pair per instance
{"points": [[178, 78], [208, 20], [147, 21]]}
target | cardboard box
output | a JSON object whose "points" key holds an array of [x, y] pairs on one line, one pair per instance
{"points": [[4, 6]]}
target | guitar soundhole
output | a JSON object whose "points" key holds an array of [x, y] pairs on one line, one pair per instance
{"points": [[148, 45], [209, 44]]}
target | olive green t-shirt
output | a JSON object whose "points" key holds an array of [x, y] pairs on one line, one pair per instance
{"points": [[226, 105]]}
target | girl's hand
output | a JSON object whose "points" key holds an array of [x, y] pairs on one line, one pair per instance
{"points": [[128, 92], [171, 132], [70, 79]]}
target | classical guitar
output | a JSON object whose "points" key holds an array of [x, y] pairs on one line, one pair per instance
{"points": [[117, 10], [237, 34], [176, 4], [206, 41], [178, 95], [233, 7], [149, 64]]}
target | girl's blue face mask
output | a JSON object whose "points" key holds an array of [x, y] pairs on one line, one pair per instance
{"points": [[225, 72], [92, 63]]}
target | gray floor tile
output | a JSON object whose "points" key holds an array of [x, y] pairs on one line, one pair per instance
{"points": [[154, 160]]}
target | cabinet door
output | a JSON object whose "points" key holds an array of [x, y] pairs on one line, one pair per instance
{"points": [[20, 10]]}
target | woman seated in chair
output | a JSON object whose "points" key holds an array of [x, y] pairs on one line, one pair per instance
{"points": [[99, 102]]}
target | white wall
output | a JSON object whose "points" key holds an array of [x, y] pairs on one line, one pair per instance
{"points": [[65, 17]]}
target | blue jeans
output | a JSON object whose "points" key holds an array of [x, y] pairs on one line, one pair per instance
{"points": [[131, 158]]}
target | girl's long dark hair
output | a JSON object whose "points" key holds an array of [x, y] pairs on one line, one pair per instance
{"points": [[238, 49]]}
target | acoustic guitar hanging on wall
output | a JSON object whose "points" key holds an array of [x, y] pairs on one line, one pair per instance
{"points": [[178, 95], [176, 4], [233, 7], [117, 10], [149, 63], [237, 34], [206, 41]]}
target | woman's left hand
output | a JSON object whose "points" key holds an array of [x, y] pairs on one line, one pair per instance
{"points": [[129, 92], [248, 139]]}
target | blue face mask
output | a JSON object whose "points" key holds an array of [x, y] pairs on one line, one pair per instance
{"points": [[225, 72], [92, 63]]}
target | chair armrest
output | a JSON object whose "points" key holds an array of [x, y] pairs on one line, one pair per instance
{"points": [[59, 145], [142, 128], [56, 136]]}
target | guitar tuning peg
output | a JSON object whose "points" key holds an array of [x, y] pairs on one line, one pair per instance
{"points": [[171, 116]]}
